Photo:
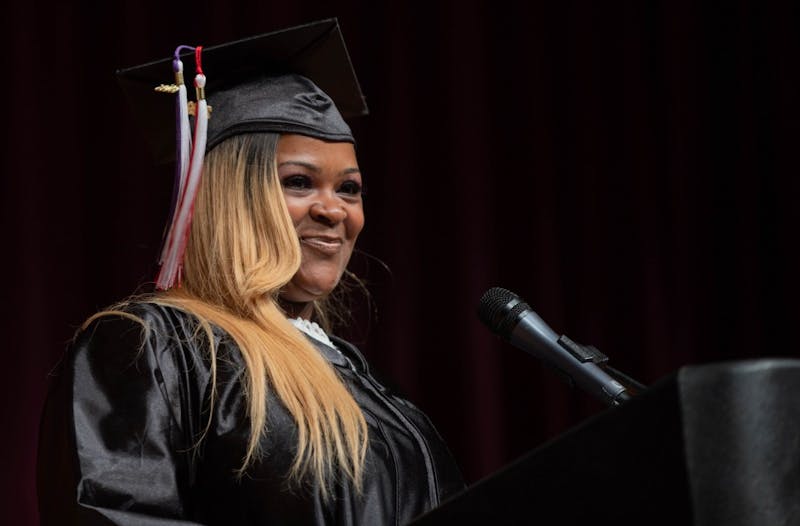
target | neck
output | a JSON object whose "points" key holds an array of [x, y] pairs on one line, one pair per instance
{"points": [[297, 309]]}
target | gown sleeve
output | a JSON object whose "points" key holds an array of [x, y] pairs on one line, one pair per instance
{"points": [[115, 441]]}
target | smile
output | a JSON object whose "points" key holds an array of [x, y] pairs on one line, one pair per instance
{"points": [[324, 244]]}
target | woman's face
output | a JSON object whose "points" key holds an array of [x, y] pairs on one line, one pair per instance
{"points": [[322, 187]]}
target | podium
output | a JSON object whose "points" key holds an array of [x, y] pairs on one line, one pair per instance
{"points": [[712, 445]]}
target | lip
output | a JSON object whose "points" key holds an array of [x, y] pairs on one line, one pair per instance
{"points": [[322, 243]]}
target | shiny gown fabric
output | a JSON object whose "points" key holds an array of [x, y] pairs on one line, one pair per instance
{"points": [[126, 437]]}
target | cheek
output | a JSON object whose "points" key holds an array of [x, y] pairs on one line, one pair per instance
{"points": [[355, 222], [296, 208]]}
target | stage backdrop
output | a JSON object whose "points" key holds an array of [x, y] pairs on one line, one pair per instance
{"points": [[629, 168]]}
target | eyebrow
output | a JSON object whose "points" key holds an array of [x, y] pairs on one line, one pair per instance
{"points": [[314, 168], [310, 166]]}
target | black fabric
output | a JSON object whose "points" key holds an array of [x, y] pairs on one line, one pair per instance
{"points": [[295, 80], [283, 104], [741, 432], [123, 439]]}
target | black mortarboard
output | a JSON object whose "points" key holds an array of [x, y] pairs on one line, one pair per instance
{"points": [[258, 84]]}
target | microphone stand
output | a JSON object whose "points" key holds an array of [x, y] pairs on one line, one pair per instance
{"points": [[590, 353]]}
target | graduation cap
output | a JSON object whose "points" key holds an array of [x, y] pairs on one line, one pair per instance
{"points": [[257, 84], [296, 80]]}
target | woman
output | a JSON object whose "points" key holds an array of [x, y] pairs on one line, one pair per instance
{"points": [[204, 403]]}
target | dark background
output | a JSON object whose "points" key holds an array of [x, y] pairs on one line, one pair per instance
{"points": [[629, 168]]}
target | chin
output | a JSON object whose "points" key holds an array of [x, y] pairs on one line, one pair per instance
{"points": [[304, 292], [313, 282]]}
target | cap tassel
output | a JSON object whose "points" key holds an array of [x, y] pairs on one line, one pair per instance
{"points": [[188, 175], [182, 146], [184, 138]]}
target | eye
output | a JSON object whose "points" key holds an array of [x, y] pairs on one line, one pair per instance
{"points": [[296, 182], [351, 188]]}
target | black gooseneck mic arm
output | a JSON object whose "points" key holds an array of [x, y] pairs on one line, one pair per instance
{"points": [[513, 320]]}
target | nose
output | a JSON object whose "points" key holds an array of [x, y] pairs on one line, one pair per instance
{"points": [[328, 211]]}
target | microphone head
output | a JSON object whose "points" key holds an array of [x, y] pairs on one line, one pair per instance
{"points": [[500, 310]]}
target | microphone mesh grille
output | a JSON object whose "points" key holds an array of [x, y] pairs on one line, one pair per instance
{"points": [[511, 319], [499, 309]]}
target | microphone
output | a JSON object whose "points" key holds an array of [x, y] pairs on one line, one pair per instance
{"points": [[513, 320]]}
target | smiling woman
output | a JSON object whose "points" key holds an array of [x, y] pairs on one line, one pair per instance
{"points": [[219, 399], [322, 188]]}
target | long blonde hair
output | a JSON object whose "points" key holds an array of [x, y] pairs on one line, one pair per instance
{"points": [[242, 249]]}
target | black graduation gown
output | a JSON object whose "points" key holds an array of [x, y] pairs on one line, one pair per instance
{"points": [[120, 431]]}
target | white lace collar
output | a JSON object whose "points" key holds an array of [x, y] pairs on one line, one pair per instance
{"points": [[312, 329]]}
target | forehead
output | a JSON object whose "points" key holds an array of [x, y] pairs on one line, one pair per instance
{"points": [[322, 154]]}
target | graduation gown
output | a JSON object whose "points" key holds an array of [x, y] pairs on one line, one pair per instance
{"points": [[120, 441]]}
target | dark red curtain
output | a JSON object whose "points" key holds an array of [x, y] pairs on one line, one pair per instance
{"points": [[629, 168]]}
